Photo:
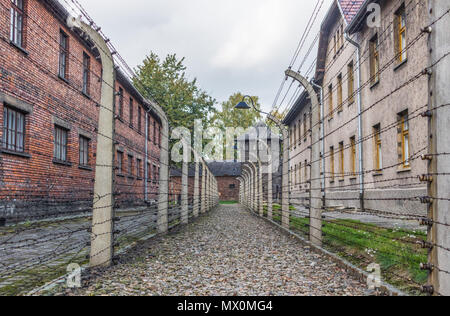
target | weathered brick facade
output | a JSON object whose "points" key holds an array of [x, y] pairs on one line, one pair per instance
{"points": [[32, 181]]}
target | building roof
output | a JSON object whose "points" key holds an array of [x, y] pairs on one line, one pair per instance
{"points": [[253, 131], [355, 24], [348, 10], [225, 168]]}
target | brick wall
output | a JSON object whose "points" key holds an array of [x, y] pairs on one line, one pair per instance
{"points": [[226, 191], [32, 183]]}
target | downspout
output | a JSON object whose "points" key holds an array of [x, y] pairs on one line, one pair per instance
{"points": [[322, 137], [360, 143], [146, 158]]}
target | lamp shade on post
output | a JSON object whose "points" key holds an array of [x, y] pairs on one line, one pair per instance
{"points": [[243, 106]]}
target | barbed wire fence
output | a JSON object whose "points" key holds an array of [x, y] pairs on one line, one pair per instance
{"points": [[411, 247]]}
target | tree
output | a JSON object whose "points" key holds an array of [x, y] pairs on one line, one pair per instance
{"points": [[165, 82], [231, 117]]}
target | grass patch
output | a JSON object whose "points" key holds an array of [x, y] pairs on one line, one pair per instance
{"points": [[228, 202], [398, 252]]}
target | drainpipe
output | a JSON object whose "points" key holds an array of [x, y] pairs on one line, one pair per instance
{"points": [[146, 158], [360, 145], [322, 137]]}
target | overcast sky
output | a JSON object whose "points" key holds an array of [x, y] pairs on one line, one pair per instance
{"points": [[229, 45]]}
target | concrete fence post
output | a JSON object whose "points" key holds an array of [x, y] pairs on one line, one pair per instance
{"points": [[260, 189], [102, 239], [203, 199], [315, 195], [439, 147], [184, 189], [270, 193], [196, 205]]}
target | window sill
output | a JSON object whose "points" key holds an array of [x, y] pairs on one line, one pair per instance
{"points": [[353, 178], [15, 153], [120, 175], [21, 49], [377, 174], [406, 169], [62, 163], [400, 64], [375, 84], [64, 79], [87, 168], [131, 177], [86, 95], [140, 179]]}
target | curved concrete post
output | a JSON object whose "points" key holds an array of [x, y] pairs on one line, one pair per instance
{"points": [[184, 188], [285, 192], [203, 200], [315, 195], [102, 239], [196, 206], [251, 189]]}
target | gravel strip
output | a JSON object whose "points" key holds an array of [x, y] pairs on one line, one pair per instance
{"points": [[228, 252]]}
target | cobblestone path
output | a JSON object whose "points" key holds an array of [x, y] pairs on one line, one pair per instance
{"points": [[228, 252]]}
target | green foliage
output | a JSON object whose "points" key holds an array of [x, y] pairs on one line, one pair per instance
{"points": [[165, 81]]}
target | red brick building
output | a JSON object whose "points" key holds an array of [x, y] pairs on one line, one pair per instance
{"points": [[226, 173], [50, 82]]}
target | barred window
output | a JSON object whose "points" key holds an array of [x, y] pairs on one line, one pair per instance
{"points": [[120, 162], [332, 163], [86, 73], [13, 130], [63, 48], [339, 93], [130, 165], [377, 143], [120, 102], [131, 112], [341, 160], [139, 168], [139, 119], [16, 25], [351, 83], [353, 155], [404, 129], [84, 151], [60, 148]]}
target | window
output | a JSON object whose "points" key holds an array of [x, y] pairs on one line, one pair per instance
{"points": [[404, 128], [300, 173], [84, 151], [60, 148], [139, 168], [149, 127], [335, 44], [16, 26], [353, 155], [330, 100], [63, 48], [351, 83], [149, 172], [154, 174], [120, 162], [86, 73], [295, 174], [154, 132], [400, 22], [232, 186], [290, 137], [341, 160], [374, 60], [332, 163], [305, 168], [120, 102], [139, 119], [299, 132], [13, 130], [377, 143], [131, 112], [305, 125], [339, 92], [295, 135], [130, 165]]}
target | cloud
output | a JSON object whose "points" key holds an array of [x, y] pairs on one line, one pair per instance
{"points": [[229, 45]]}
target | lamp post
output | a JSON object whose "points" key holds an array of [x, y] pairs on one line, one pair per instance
{"points": [[285, 172]]}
